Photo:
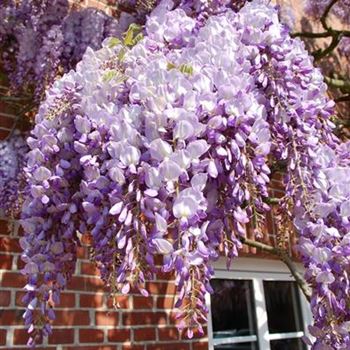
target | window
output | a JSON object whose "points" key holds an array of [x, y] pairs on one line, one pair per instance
{"points": [[256, 306]]}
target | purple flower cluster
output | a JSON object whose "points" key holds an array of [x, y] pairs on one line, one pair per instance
{"points": [[344, 47], [42, 39], [12, 178], [341, 9], [323, 220], [165, 148]]}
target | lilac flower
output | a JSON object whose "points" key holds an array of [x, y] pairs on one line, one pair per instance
{"points": [[12, 180], [39, 40], [165, 146]]}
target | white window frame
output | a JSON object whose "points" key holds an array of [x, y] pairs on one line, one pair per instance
{"points": [[259, 270]]}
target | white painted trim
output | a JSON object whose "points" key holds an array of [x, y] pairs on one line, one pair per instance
{"points": [[209, 323], [261, 314], [307, 315], [279, 336], [255, 265], [233, 340]]}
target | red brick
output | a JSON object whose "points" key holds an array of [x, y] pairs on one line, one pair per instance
{"points": [[97, 347], [90, 284], [67, 300], [82, 253], [159, 260], [167, 346], [133, 347], [19, 296], [4, 134], [88, 268], [8, 244], [11, 317], [6, 122], [21, 336], [62, 336], [91, 300], [94, 284], [165, 302], [3, 336], [161, 288], [141, 302], [144, 318], [13, 279], [121, 301], [69, 318], [143, 334], [169, 333], [20, 264], [91, 335], [4, 227], [5, 298], [5, 261], [76, 283], [119, 335], [104, 318], [200, 346], [167, 276], [7, 107]]}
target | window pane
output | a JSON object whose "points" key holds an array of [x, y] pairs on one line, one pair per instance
{"points": [[240, 346], [233, 311], [283, 307], [287, 344]]}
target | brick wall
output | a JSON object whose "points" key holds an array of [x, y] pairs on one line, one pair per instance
{"points": [[7, 111], [86, 318]]}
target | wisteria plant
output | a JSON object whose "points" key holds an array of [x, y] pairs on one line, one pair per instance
{"points": [[337, 35], [41, 40], [164, 142]]}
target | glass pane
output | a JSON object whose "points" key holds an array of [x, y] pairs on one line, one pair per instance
{"points": [[283, 307], [239, 346], [287, 344], [233, 311]]}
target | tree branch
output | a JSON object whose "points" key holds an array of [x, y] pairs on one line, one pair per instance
{"points": [[318, 54], [326, 13], [303, 285], [344, 98], [327, 34], [311, 35]]}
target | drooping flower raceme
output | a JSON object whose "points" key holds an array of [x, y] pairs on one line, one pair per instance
{"points": [[40, 40], [12, 178], [165, 147]]}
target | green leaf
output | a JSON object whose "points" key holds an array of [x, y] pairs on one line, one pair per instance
{"points": [[114, 42], [121, 54], [114, 74], [109, 75], [137, 38], [170, 66], [132, 35], [186, 69]]}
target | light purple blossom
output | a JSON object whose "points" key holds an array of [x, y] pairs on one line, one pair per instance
{"points": [[164, 147]]}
